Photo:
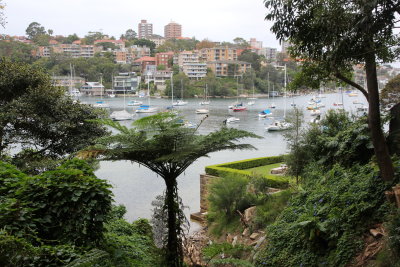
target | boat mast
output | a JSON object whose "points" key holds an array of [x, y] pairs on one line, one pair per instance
{"points": [[172, 89], [284, 95], [123, 85]]}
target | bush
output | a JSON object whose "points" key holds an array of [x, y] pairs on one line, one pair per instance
{"points": [[62, 206], [323, 223], [393, 227], [267, 212]]}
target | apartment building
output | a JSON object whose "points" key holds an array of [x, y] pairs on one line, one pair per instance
{"points": [[145, 61], [121, 56], [139, 51], [92, 88], [126, 82], [164, 59], [195, 70], [74, 50], [118, 43], [145, 29], [161, 77], [157, 39], [43, 51], [172, 30], [255, 44], [269, 53], [218, 53], [67, 81], [225, 68], [186, 57]]}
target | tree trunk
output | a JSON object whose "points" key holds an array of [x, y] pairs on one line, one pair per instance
{"points": [[374, 120], [174, 253], [393, 140]]}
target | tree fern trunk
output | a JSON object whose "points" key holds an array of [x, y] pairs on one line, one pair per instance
{"points": [[174, 254]]}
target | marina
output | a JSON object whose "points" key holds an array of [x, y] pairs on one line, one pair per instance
{"points": [[136, 187]]}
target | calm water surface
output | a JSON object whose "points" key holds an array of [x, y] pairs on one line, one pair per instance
{"points": [[136, 187]]}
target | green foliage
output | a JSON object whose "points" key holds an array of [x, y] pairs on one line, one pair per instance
{"points": [[227, 195], [63, 206], [225, 254], [34, 30], [231, 194], [130, 244], [41, 117], [162, 144], [268, 211], [393, 227], [177, 45], [323, 223], [239, 168], [338, 138], [107, 45], [390, 93], [16, 251], [16, 51], [64, 218], [252, 58], [297, 158]]}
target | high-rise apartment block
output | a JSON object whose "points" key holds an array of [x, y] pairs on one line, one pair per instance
{"points": [[255, 44], [145, 29], [172, 30]]}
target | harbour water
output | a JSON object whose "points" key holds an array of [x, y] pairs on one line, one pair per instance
{"points": [[136, 187]]}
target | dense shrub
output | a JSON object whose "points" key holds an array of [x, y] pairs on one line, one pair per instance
{"points": [[67, 206], [323, 223], [232, 194], [337, 139]]}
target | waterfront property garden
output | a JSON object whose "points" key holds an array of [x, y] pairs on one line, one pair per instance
{"points": [[252, 167]]}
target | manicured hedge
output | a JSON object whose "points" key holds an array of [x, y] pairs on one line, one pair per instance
{"points": [[239, 167]]}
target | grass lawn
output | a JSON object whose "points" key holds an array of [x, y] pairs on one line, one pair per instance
{"points": [[263, 170]]}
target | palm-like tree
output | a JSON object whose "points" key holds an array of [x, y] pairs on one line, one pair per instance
{"points": [[162, 144]]}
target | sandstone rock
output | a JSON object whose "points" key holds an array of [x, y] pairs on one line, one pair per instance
{"points": [[376, 233], [252, 244], [249, 214], [254, 236], [235, 240], [246, 232], [229, 238]]}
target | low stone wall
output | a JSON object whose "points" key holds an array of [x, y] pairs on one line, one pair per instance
{"points": [[204, 182]]}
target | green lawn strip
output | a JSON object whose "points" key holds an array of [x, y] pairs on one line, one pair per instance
{"points": [[262, 170]]}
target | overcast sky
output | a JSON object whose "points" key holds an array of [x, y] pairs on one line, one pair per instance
{"points": [[216, 20]]}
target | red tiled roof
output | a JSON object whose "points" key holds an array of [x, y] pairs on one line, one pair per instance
{"points": [[108, 41], [146, 58]]}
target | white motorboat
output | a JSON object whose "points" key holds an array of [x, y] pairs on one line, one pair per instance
{"points": [[315, 112], [278, 126], [134, 103], [362, 108], [179, 103], [232, 120], [202, 111], [101, 104], [265, 113], [121, 115], [146, 109]]}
